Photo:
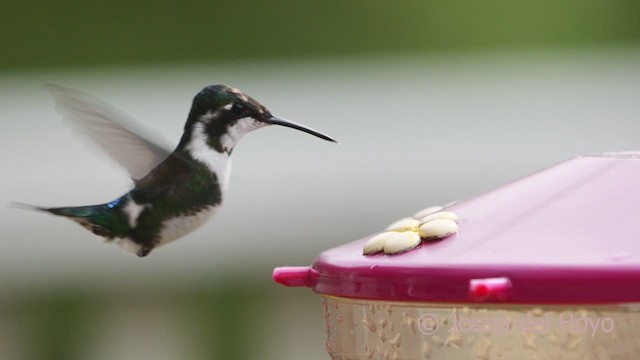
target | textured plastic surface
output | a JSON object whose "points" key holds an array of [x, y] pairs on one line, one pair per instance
{"points": [[567, 234], [365, 329]]}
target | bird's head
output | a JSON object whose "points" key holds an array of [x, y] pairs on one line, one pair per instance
{"points": [[225, 114]]}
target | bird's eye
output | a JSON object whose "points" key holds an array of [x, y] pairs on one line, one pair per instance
{"points": [[238, 108]]}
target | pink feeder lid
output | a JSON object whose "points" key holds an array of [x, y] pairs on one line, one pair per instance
{"points": [[567, 234]]}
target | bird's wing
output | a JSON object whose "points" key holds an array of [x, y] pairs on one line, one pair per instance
{"points": [[132, 145]]}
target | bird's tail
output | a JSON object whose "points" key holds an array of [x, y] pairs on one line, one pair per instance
{"points": [[23, 206], [92, 217], [62, 211]]}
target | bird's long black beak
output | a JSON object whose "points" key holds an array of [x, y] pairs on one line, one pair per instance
{"points": [[280, 121]]}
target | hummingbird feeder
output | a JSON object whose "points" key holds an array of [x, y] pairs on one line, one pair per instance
{"points": [[545, 267]]}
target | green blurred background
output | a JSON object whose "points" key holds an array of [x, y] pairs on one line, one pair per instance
{"points": [[92, 304], [42, 34]]}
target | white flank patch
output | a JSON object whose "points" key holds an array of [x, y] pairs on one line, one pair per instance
{"points": [[128, 245], [182, 225], [133, 210]]}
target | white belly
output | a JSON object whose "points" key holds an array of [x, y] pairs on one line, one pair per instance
{"points": [[172, 229], [182, 225]]}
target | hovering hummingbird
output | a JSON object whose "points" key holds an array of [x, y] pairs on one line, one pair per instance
{"points": [[175, 191]]}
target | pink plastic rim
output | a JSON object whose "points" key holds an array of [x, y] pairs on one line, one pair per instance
{"points": [[567, 234]]}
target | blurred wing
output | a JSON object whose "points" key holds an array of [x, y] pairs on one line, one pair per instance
{"points": [[133, 146]]}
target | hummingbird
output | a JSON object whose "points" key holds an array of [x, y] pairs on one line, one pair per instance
{"points": [[174, 191]]}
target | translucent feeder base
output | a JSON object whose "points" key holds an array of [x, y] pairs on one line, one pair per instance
{"points": [[363, 329]]}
